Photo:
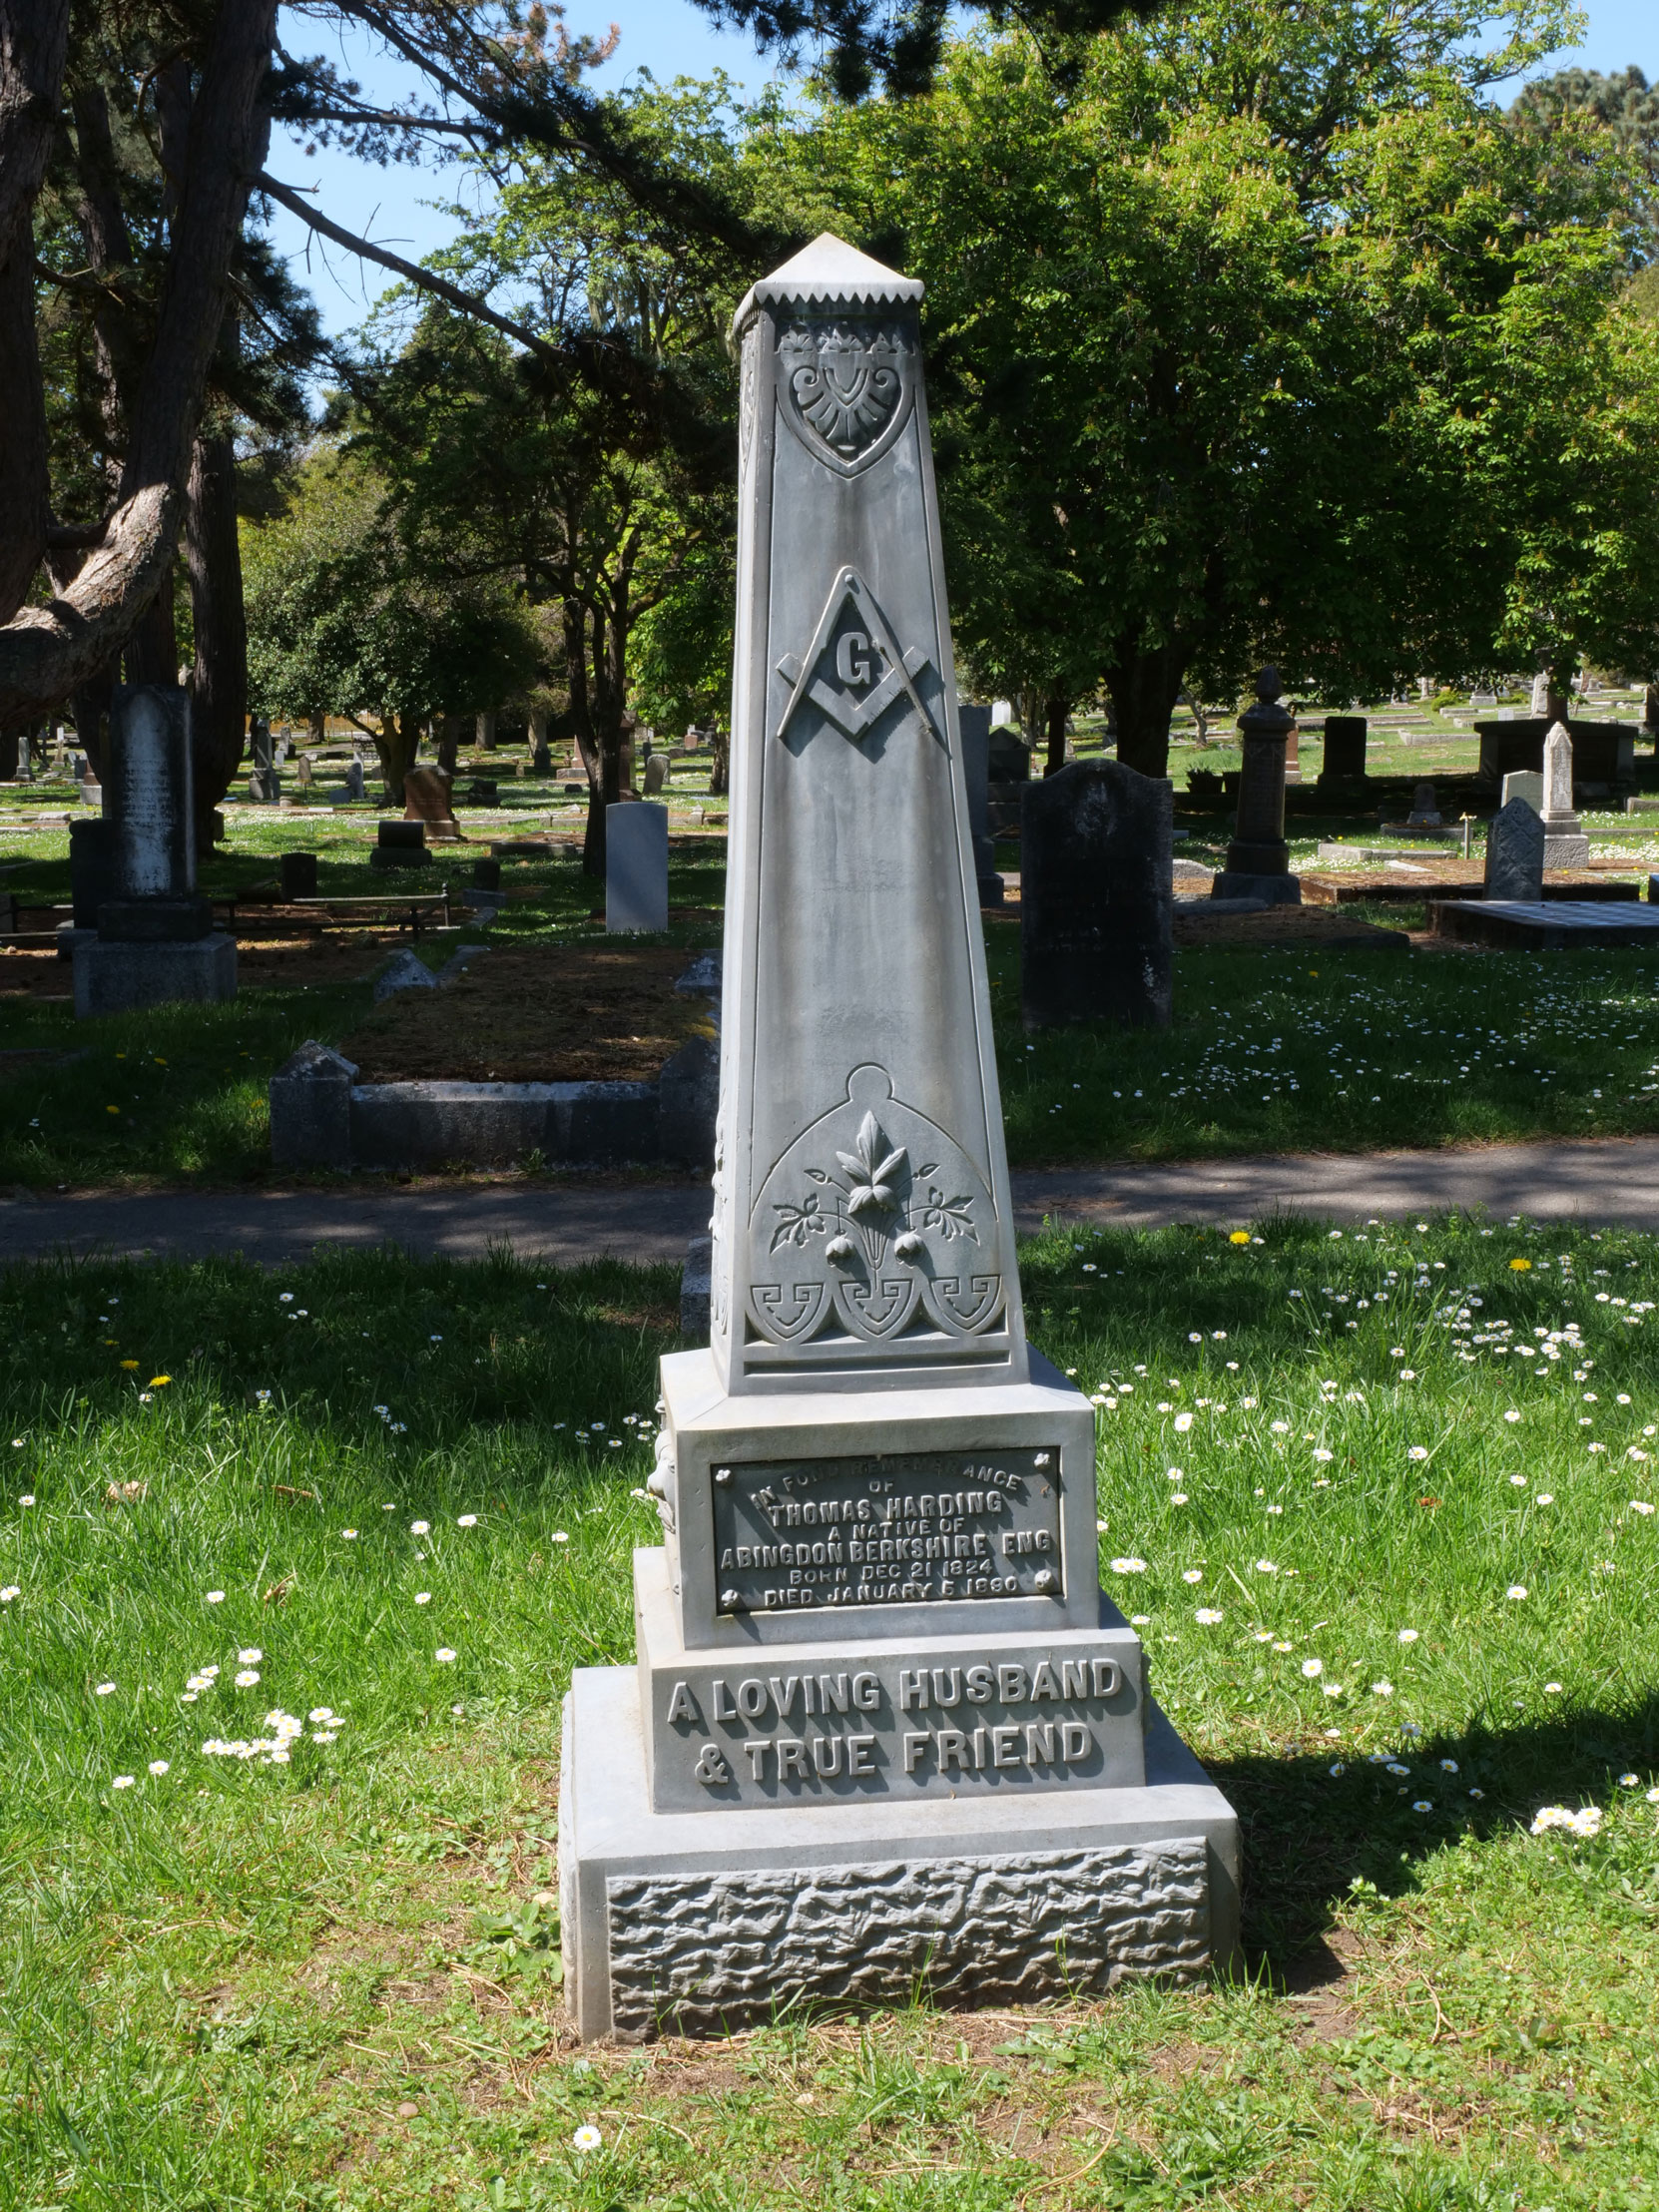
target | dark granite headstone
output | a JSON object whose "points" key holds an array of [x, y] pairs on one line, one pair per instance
{"points": [[1344, 749], [1516, 854], [94, 868], [402, 845], [1008, 757], [1096, 897], [299, 874], [487, 874], [976, 723], [542, 763]]}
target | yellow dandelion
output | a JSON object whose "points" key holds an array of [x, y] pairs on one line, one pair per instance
{"points": [[1239, 1236], [128, 1362], [1520, 1267], [112, 1109], [156, 1380]]}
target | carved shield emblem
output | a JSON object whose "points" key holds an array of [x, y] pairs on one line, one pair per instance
{"points": [[846, 389]]}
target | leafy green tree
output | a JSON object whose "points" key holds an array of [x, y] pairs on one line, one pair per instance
{"points": [[343, 621], [1217, 325], [594, 479]]}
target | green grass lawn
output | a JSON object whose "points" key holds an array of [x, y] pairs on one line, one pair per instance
{"points": [[404, 1495], [1340, 1052]]}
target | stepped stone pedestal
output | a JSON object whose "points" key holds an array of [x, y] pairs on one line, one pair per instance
{"points": [[882, 1733]]}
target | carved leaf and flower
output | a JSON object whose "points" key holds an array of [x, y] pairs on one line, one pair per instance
{"points": [[873, 1200]]}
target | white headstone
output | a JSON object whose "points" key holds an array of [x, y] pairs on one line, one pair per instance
{"points": [[1540, 693], [877, 1505], [1566, 845], [1002, 713], [1526, 784], [636, 867]]}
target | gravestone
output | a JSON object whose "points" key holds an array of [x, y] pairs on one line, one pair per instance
{"points": [[1292, 755], [355, 781], [1344, 749], [264, 786], [487, 874], [400, 844], [884, 1737], [1540, 693], [636, 867], [1096, 896], [1515, 852], [1566, 845], [542, 762], [156, 941], [487, 732], [1526, 784], [94, 876], [655, 773], [426, 799], [1425, 809], [299, 874], [976, 725], [1257, 859], [306, 771]]}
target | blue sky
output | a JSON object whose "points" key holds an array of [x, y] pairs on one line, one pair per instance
{"points": [[672, 38]]}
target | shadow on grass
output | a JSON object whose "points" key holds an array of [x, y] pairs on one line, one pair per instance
{"points": [[1311, 1839]]}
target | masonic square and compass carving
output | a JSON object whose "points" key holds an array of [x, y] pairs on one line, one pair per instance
{"points": [[853, 669]]}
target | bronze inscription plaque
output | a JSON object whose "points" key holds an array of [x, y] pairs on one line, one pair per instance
{"points": [[917, 1528]]}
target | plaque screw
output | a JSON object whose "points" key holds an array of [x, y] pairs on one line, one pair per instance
{"points": [[723, 1475], [1042, 1458], [729, 1597], [1045, 1580]]}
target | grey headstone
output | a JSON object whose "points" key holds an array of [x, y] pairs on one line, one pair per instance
{"points": [[150, 791], [688, 1100], [693, 1292], [1527, 784], [311, 1109], [636, 867], [1425, 809], [655, 773], [975, 723], [1516, 852], [299, 874], [1095, 897], [354, 779], [405, 972]]}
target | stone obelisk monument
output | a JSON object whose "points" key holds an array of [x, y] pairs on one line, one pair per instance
{"points": [[883, 1730]]}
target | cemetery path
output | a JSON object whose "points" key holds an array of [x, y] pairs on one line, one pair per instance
{"points": [[1613, 1180]]}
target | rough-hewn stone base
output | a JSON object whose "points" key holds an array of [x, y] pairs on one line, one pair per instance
{"points": [[703, 1923], [690, 1954], [112, 977]]}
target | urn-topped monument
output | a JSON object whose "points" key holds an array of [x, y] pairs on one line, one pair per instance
{"points": [[883, 1731]]}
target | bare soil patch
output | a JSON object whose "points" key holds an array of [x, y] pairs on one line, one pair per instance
{"points": [[536, 1014]]}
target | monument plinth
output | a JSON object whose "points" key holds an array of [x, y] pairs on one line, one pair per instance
{"points": [[884, 1730]]}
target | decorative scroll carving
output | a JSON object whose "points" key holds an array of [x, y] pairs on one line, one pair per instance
{"points": [[705, 1953], [846, 388], [866, 1221]]}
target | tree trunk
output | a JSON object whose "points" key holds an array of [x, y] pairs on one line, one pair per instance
{"points": [[91, 707], [396, 743], [1056, 711], [1144, 688], [47, 652], [720, 764], [25, 485], [151, 653], [218, 682], [34, 38]]}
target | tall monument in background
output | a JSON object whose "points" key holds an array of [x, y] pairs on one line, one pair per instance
{"points": [[883, 1731]]}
